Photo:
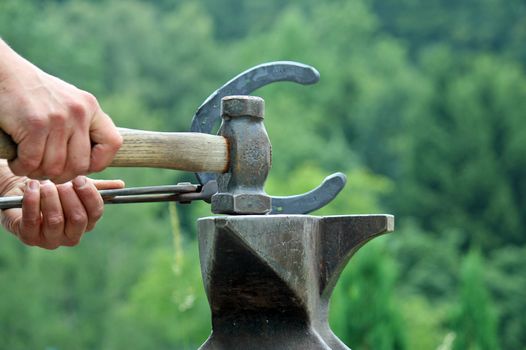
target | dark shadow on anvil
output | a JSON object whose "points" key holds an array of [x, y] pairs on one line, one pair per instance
{"points": [[269, 278]]}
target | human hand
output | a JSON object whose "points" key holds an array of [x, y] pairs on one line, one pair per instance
{"points": [[54, 215], [53, 123]]}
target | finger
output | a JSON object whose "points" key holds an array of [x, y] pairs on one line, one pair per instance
{"points": [[55, 153], [29, 218], [30, 152], [90, 198], [75, 216], [52, 215], [78, 156], [108, 184], [11, 219], [106, 140]]}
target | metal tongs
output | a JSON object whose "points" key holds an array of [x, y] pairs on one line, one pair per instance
{"points": [[183, 192]]}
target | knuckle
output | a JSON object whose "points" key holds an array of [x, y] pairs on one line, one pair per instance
{"points": [[36, 122], [55, 221], [31, 222], [83, 168], [96, 166], [96, 162], [91, 100], [46, 189], [77, 109], [80, 167], [78, 219], [115, 137], [28, 160], [58, 119], [97, 213], [117, 141], [54, 170], [54, 166], [29, 163]]}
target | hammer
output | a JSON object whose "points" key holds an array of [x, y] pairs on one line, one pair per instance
{"points": [[208, 155], [241, 154]]}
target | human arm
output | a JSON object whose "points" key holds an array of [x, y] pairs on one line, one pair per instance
{"points": [[61, 131], [52, 215]]}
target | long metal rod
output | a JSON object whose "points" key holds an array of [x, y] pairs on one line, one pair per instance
{"points": [[182, 192], [133, 191]]}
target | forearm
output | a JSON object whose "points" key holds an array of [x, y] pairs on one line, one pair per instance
{"points": [[4, 57], [9, 62], [15, 70], [5, 50], [7, 56]]}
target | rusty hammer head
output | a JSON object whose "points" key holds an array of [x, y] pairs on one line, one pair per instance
{"points": [[240, 189]]}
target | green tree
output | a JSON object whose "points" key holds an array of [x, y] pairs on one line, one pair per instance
{"points": [[469, 26], [463, 165], [507, 282], [363, 312], [474, 321]]}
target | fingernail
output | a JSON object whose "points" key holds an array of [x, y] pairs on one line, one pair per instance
{"points": [[33, 185], [79, 181]]}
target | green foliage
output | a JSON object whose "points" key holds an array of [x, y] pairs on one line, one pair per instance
{"points": [[423, 322], [474, 322], [360, 196], [507, 281], [167, 303], [481, 25], [363, 311], [420, 104], [473, 126], [429, 265]]}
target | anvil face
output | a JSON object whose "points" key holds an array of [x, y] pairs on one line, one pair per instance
{"points": [[269, 278]]}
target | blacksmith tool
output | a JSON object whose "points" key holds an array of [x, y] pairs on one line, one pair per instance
{"points": [[201, 152], [183, 192]]}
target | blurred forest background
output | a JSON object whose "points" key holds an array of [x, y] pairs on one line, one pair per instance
{"points": [[421, 103]]}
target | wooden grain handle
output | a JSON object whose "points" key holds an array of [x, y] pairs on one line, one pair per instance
{"points": [[170, 150]]}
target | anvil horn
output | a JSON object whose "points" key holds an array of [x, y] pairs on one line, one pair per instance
{"points": [[343, 236]]}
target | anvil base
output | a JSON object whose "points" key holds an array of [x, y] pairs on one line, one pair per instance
{"points": [[269, 278]]}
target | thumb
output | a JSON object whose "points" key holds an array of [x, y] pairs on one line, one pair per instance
{"points": [[106, 141], [108, 184]]}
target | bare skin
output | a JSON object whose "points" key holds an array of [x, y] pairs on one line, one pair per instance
{"points": [[52, 215], [53, 123], [61, 132]]}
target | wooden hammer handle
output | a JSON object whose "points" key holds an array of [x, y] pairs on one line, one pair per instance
{"points": [[170, 150]]}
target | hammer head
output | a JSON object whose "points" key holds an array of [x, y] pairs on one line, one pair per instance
{"points": [[240, 189]]}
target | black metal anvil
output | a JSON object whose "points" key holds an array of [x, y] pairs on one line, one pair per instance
{"points": [[269, 278]]}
